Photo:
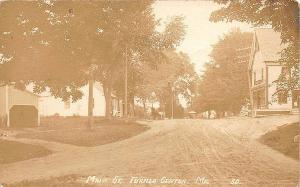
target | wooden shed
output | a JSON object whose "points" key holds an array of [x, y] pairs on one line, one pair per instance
{"points": [[18, 108]]}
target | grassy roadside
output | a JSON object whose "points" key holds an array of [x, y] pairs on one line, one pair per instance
{"points": [[282, 140], [73, 131], [11, 151]]}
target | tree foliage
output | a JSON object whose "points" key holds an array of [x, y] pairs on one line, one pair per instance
{"points": [[177, 72], [47, 45], [54, 44], [146, 80], [224, 84]]}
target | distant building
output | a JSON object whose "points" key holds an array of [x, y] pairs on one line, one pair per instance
{"points": [[50, 105], [18, 108], [264, 70]]}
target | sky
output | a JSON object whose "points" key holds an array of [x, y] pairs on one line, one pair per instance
{"points": [[201, 34]]}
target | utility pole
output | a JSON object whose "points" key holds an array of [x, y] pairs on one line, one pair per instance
{"points": [[247, 57], [126, 89], [171, 88]]}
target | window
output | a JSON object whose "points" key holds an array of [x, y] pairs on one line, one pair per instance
{"points": [[282, 97]]}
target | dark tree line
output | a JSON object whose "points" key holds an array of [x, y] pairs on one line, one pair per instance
{"points": [[224, 83]]}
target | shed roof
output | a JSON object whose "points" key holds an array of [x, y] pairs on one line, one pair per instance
{"points": [[269, 43]]}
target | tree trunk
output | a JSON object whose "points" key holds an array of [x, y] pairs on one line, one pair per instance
{"points": [[132, 109], [90, 104], [126, 89], [108, 110], [107, 88]]}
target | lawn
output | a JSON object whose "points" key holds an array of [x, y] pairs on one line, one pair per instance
{"points": [[282, 140], [72, 130], [12, 151]]}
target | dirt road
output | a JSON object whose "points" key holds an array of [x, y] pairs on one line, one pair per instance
{"points": [[222, 151]]}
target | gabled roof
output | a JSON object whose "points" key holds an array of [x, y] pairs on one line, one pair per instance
{"points": [[269, 43], [24, 91]]}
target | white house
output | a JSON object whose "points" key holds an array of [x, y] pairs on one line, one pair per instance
{"points": [[18, 108], [55, 106], [264, 70]]}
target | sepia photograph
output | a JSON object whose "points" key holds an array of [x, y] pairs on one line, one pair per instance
{"points": [[142, 93]]}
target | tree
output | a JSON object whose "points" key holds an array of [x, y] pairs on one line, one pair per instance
{"points": [[56, 49], [45, 43], [224, 84], [145, 50], [282, 15], [59, 41], [176, 71]]}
